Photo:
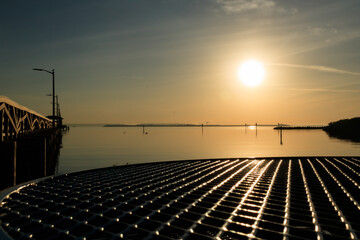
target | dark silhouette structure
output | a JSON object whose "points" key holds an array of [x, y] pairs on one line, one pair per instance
{"points": [[29, 157], [18, 120], [52, 72], [29, 146], [345, 129]]}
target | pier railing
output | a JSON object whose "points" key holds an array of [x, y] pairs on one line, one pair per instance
{"points": [[16, 120]]}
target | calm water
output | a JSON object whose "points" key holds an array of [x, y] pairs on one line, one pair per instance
{"points": [[94, 147]]}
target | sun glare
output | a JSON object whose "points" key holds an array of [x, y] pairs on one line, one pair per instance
{"points": [[251, 73]]}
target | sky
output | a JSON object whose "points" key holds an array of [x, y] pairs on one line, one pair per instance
{"points": [[177, 61]]}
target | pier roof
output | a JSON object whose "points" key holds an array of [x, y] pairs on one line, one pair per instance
{"points": [[7, 100]]}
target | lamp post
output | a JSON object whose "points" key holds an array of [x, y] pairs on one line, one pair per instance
{"points": [[52, 72]]}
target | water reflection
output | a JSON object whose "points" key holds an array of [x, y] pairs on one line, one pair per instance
{"points": [[281, 138], [355, 138], [29, 158], [345, 129], [94, 147], [252, 127]]}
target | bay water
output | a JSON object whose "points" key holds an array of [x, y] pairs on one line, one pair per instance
{"points": [[89, 147]]}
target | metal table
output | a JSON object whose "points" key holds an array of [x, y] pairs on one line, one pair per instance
{"points": [[262, 198]]}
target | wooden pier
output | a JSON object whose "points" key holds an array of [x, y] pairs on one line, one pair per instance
{"points": [[17, 120], [29, 145]]}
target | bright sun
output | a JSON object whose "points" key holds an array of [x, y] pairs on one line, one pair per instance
{"points": [[252, 73]]}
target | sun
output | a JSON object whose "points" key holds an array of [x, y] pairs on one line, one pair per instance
{"points": [[252, 73]]}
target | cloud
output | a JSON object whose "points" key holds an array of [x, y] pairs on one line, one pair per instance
{"points": [[236, 6], [322, 90], [316, 68], [327, 41], [322, 30]]}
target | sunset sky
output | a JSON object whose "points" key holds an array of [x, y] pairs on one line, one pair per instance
{"points": [[177, 61]]}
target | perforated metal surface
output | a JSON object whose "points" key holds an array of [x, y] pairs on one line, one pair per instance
{"points": [[289, 198]]}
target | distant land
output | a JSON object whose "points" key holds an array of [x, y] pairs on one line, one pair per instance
{"points": [[298, 127], [185, 125], [346, 129], [85, 125]]}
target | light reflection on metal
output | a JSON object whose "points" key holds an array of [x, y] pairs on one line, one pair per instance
{"points": [[287, 204], [348, 194], [255, 226], [234, 213], [311, 204], [333, 203], [352, 180], [271, 198], [227, 193]]}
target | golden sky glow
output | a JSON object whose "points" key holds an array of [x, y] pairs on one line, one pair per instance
{"points": [[178, 61]]}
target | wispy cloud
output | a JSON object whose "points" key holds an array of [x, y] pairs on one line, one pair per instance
{"points": [[322, 90], [328, 41], [316, 68], [322, 30], [236, 6]]}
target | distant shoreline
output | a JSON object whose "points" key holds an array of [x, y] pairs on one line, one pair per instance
{"points": [[184, 125], [299, 127]]}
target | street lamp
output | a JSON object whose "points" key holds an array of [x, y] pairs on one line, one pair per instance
{"points": [[52, 72]]}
